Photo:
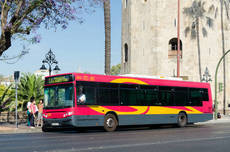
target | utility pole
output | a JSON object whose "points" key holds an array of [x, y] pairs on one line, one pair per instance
{"points": [[16, 78], [178, 40]]}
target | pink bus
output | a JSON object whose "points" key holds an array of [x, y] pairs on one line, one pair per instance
{"points": [[87, 100]]}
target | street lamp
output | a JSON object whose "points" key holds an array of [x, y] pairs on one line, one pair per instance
{"points": [[206, 76], [50, 60]]}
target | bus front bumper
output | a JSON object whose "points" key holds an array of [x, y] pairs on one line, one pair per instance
{"points": [[58, 123]]}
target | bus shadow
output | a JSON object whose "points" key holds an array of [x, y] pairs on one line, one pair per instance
{"points": [[87, 130]]}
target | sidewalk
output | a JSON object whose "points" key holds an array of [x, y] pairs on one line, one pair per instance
{"points": [[22, 128], [223, 119]]}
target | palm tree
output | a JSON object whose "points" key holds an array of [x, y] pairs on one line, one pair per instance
{"points": [[197, 15], [224, 4], [6, 97], [30, 86], [107, 22]]}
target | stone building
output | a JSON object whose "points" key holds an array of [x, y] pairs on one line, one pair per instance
{"points": [[149, 42]]}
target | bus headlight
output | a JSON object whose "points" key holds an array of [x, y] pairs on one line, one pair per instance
{"points": [[45, 116], [68, 114]]}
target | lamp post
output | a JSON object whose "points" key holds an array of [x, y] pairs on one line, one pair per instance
{"points": [[50, 60], [16, 79], [206, 76], [217, 67]]}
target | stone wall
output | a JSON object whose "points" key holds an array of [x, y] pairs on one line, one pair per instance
{"points": [[147, 28], [9, 117]]}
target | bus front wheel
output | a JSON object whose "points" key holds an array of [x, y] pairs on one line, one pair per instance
{"points": [[182, 119], [110, 123]]}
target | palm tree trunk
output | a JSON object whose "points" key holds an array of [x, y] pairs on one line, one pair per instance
{"points": [[107, 22], [223, 52], [198, 46]]}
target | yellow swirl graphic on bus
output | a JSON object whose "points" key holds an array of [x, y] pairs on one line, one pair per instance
{"points": [[147, 110], [104, 110], [128, 80]]}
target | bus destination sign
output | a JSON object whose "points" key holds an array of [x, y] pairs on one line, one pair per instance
{"points": [[59, 79]]}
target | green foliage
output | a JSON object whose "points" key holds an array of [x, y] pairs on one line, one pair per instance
{"points": [[116, 69], [6, 97], [20, 18], [30, 86]]}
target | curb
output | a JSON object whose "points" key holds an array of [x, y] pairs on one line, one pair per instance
{"points": [[20, 129]]}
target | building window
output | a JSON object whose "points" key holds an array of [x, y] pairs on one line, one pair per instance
{"points": [[173, 44], [126, 52], [173, 48]]}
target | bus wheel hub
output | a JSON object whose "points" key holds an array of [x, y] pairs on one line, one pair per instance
{"points": [[110, 122]]}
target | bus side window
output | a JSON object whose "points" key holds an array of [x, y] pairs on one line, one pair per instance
{"points": [[89, 90], [205, 94], [128, 95], [181, 96], [107, 94], [150, 95], [195, 97], [166, 96]]}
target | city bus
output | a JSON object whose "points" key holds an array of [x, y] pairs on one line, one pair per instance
{"points": [[88, 100]]}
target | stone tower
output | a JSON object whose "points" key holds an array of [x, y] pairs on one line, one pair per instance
{"points": [[149, 42]]}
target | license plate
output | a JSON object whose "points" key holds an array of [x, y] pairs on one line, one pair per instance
{"points": [[55, 124]]}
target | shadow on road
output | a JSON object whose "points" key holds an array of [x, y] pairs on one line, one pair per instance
{"points": [[87, 130]]}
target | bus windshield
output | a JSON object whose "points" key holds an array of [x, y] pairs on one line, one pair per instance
{"points": [[57, 97]]}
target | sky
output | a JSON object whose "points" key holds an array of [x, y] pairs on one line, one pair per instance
{"points": [[79, 48]]}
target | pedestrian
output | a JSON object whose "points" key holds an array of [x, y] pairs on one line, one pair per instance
{"points": [[33, 108], [29, 111], [40, 111]]}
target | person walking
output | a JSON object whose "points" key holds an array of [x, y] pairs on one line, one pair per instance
{"points": [[40, 111]]}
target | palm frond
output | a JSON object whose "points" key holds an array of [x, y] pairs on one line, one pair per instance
{"points": [[5, 93], [226, 4], [186, 31], [209, 22], [204, 32], [30, 86], [216, 12], [211, 9], [193, 33]]}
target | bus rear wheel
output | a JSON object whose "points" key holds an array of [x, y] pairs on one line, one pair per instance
{"points": [[182, 119], [110, 123]]}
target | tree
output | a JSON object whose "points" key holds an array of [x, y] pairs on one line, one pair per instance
{"points": [[224, 7], [116, 69], [107, 22], [30, 86], [197, 14], [224, 4], [20, 18], [6, 97]]}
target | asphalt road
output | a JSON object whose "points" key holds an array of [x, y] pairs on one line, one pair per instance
{"points": [[194, 138]]}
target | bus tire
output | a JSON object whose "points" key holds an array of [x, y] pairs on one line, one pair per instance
{"points": [[182, 119], [110, 123]]}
